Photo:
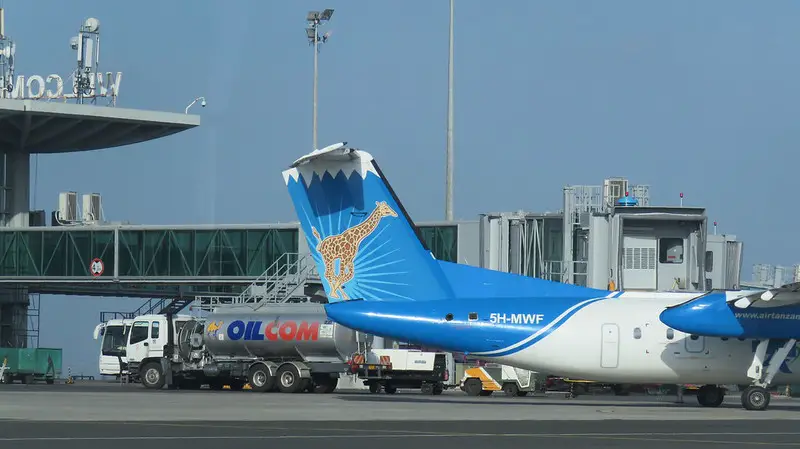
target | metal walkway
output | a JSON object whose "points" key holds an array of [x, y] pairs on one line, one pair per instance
{"points": [[142, 261], [172, 266]]}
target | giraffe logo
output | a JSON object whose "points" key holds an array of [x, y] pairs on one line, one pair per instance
{"points": [[344, 247], [213, 328]]}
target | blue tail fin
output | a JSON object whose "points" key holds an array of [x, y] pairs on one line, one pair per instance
{"points": [[362, 240]]}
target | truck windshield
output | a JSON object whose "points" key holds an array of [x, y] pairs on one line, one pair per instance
{"points": [[115, 340]]}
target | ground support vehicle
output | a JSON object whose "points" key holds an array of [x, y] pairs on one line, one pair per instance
{"points": [[430, 372], [29, 365], [485, 380], [279, 347], [114, 341]]}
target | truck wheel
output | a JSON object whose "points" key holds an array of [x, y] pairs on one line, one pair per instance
{"points": [[510, 389], [289, 379], [390, 389], [438, 389], [152, 377], [473, 387], [427, 389], [374, 387], [325, 384], [260, 378]]}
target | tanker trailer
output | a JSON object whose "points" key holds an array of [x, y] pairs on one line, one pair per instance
{"points": [[284, 347]]}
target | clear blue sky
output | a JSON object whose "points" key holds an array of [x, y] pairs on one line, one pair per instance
{"points": [[698, 97]]}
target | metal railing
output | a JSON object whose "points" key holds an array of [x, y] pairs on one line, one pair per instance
{"points": [[278, 283]]}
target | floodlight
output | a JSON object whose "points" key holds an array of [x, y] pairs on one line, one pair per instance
{"points": [[312, 16], [310, 33], [326, 15]]}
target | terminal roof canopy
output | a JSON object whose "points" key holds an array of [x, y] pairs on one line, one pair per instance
{"points": [[38, 126]]}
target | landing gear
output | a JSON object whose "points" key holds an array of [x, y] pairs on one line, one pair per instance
{"points": [[756, 396], [710, 395]]}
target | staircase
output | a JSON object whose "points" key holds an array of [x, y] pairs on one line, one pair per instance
{"points": [[279, 283], [152, 306], [282, 281], [176, 305]]}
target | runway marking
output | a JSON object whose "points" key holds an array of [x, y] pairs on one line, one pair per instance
{"points": [[217, 426], [681, 440], [613, 436]]}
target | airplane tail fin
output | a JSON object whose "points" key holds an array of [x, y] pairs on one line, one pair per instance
{"points": [[363, 242]]}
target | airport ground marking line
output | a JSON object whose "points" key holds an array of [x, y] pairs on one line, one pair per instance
{"points": [[217, 426], [680, 440], [632, 436]]}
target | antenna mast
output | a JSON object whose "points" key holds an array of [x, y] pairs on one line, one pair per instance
{"points": [[7, 51], [87, 45]]}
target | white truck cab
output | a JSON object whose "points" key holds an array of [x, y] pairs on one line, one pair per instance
{"points": [[146, 341], [113, 336]]}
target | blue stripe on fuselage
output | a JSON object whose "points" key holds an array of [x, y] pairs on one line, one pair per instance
{"points": [[426, 323], [547, 329]]}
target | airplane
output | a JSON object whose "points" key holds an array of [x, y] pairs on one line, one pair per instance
{"points": [[381, 279]]}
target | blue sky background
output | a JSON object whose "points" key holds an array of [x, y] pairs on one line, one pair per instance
{"points": [[698, 97]]}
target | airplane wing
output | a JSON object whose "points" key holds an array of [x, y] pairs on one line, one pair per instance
{"points": [[784, 295]]}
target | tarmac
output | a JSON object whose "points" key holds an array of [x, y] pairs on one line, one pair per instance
{"points": [[96, 414]]}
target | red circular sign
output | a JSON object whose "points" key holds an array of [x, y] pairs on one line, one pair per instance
{"points": [[96, 267]]}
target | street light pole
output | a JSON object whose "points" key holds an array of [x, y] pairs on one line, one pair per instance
{"points": [[449, 182], [315, 18], [316, 71]]}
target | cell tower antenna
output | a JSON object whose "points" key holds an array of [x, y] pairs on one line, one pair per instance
{"points": [[7, 51], [87, 46]]}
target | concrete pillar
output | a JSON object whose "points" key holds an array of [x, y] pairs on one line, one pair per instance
{"points": [[14, 301], [18, 180]]}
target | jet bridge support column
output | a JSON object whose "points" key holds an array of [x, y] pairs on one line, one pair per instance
{"points": [[14, 213]]}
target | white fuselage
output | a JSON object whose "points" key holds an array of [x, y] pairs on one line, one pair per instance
{"points": [[622, 340]]}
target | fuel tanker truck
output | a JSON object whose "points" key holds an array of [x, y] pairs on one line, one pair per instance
{"points": [[285, 347]]}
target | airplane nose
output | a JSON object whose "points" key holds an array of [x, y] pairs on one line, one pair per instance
{"points": [[704, 316]]}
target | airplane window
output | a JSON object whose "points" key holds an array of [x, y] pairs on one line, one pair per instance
{"points": [[670, 334], [473, 316], [637, 333], [449, 317]]}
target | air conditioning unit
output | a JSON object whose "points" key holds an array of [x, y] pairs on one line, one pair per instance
{"points": [[614, 189], [67, 206], [91, 207]]}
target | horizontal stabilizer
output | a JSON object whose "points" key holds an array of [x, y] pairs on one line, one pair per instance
{"points": [[785, 295]]}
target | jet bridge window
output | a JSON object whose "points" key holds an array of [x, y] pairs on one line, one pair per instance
{"points": [[670, 250], [473, 316]]}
